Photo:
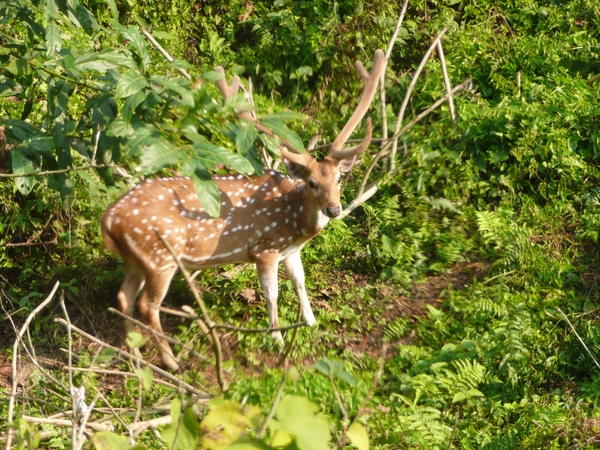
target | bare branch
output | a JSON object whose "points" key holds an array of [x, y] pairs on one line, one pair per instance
{"points": [[164, 53], [15, 357]]}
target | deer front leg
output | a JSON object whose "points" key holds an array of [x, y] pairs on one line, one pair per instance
{"points": [[295, 272], [266, 267]]}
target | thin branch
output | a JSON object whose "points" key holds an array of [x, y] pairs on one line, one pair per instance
{"points": [[388, 54], [190, 389], [579, 338], [15, 357], [216, 342], [408, 93], [290, 345], [367, 399], [275, 404], [447, 84], [164, 53], [59, 171], [366, 192], [454, 427], [160, 335], [259, 330]]}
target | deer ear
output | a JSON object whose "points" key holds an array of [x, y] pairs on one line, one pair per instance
{"points": [[295, 169], [345, 165]]}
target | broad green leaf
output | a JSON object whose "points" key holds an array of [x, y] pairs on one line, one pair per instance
{"points": [[301, 419], [163, 35], [101, 62], [131, 103], [182, 433], [245, 136], [86, 19], [137, 42], [281, 130], [41, 143], [146, 374], [181, 64], [129, 84], [459, 396], [245, 443], [107, 440], [18, 67], [208, 192], [209, 155], [136, 340], [53, 39], [160, 153], [285, 115], [212, 75], [187, 98], [223, 425], [21, 164], [21, 130], [358, 436]]}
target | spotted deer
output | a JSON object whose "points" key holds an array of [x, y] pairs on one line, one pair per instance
{"points": [[264, 220]]}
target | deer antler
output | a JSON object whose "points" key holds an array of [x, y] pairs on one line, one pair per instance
{"points": [[371, 79]]}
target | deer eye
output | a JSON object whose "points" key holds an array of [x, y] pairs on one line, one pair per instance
{"points": [[312, 184]]}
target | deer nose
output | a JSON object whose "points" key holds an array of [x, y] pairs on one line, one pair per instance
{"points": [[333, 211]]}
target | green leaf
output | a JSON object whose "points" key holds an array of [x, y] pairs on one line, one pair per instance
{"points": [[212, 75], [137, 43], [208, 192], [107, 440], [146, 374], [358, 436], [245, 443], [209, 155], [160, 153], [107, 60], [129, 84], [21, 164], [53, 39], [132, 103], [224, 424], [285, 115], [281, 130], [136, 340], [301, 418], [245, 136], [182, 434], [178, 87]]}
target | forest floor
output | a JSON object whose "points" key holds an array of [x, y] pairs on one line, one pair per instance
{"points": [[96, 320]]}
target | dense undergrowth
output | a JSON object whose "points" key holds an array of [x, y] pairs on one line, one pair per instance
{"points": [[511, 186]]}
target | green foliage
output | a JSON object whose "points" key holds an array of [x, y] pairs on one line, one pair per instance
{"points": [[502, 206]]}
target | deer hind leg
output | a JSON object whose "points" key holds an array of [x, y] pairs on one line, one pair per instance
{"points": [[131, 286], [154, 292], [267, 274], [295, 272]]}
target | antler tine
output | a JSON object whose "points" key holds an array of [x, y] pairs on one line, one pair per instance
{"points": [[371, 79], [227, 90]]}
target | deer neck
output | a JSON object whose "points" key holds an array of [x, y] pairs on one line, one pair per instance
{"points": [[310, 218]]}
